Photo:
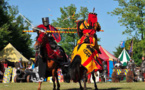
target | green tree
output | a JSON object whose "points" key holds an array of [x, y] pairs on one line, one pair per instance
{"points": [[11, 27], [3, 24], [132, 15], [118, 51], [67, 20]]}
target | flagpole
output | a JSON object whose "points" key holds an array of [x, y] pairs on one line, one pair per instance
{"points": [[132, 48]]}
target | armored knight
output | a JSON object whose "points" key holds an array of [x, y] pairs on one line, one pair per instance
{"points": [[46, 48], [87, 31]]}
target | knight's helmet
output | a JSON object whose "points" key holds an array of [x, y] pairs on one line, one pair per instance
{"points": [[92, 19], [45, 21]]}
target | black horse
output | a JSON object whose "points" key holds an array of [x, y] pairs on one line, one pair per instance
{"points": [[77, 72]]}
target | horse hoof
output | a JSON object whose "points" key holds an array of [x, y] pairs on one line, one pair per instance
{"points": [[39, 89], [96, 89], [81, 88], [58, 89]]}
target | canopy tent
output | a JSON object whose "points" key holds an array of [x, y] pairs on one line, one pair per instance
{"points": [[109, 58], [124, 57], [11, 54]]}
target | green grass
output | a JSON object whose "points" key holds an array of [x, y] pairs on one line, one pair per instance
{"points": [[74, 86]]}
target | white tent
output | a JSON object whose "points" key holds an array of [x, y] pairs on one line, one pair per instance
{"points": [[124, 57]]}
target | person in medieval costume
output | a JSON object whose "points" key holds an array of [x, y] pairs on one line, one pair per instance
{"points": [[51, 48], [131, 65], [87, 31], [52, 42]]}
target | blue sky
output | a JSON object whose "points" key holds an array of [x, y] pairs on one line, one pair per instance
{"points": [[112, 36]]}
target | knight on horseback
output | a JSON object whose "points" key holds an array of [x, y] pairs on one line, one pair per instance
{"points": [[47, 50], [87, 33], [84, 58]]}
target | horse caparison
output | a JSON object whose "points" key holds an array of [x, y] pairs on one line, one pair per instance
{"points": [[77, 72]]}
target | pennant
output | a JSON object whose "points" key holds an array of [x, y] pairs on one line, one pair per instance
{"points": [[122, 44], [131, 47]]}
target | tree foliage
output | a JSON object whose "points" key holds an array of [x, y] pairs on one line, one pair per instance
{"points": [[118, 51], [11, 27], [132, 15], [68, 18]]}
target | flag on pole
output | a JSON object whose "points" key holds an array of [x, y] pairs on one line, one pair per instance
{"points": [[131, 47], [122, 44]]}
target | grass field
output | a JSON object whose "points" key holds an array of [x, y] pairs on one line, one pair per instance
{"points": [[74, 86]]}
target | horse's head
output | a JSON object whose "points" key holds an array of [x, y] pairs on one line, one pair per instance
{"points": [[65, 72]]}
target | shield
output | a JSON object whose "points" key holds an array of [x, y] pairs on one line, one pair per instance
{"points": [[56, 36], [79, 31]]}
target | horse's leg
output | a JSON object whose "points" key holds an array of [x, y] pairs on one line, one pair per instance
{"points": [[39, 86], [93, 77], [79, 79], [58, 85], [53, 79], [81, 88], [85, 79]]}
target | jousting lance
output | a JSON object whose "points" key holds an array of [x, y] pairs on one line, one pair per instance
{"points": [[54, 31], [50, 31]]}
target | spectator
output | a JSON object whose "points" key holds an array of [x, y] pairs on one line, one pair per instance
{"points": [[5, 64], [131, 64], [29, 66], [118, 64], [20, 62], [32, 63]]}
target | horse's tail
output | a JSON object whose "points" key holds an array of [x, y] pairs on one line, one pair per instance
{"points": [[74, 68]]}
